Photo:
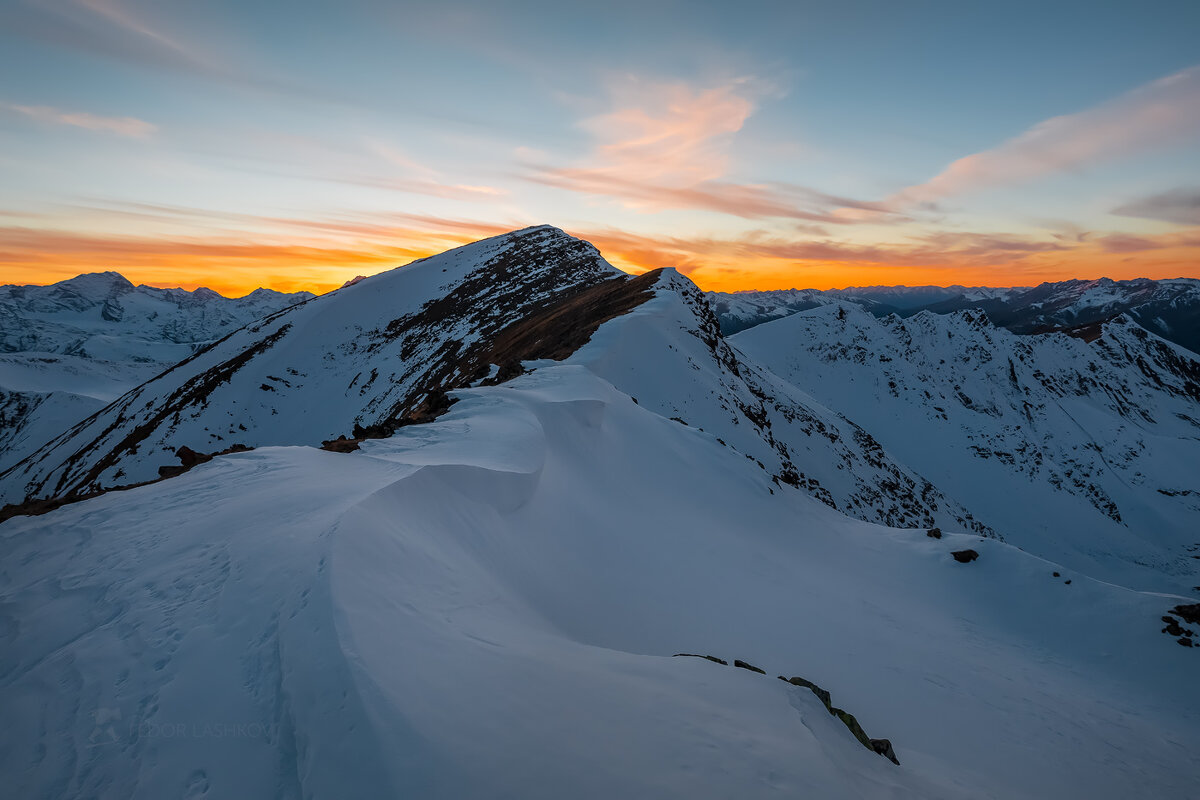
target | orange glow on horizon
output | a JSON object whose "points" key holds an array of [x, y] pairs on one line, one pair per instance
{"points": [[235, 268]]}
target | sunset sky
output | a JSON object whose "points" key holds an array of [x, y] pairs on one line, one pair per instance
{"points": [[295, 145]]}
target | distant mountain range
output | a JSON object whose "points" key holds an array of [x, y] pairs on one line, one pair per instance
{"points": [[1169, 308], [70, 348]]}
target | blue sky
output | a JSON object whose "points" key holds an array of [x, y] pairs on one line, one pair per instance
{"points": [[750, 144]]}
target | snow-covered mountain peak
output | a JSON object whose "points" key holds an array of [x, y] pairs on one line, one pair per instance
{"points": [[97, 285], [357, 361]]}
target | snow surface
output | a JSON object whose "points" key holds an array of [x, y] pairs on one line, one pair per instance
{"points": [[486, 606]]}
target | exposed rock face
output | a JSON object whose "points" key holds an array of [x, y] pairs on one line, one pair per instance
{"points": [[965, 556], [751, 667]]}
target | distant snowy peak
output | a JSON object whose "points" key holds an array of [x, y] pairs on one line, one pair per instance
{"points": [[738, 311], [102, 315], [1169, 308], [358, 361]]}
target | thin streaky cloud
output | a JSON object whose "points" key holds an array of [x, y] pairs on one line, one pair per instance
{"points": [[1160, 114], [131, 127], [667, 146]]}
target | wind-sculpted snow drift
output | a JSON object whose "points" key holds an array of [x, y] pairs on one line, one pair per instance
{"points": [[487, 604]]}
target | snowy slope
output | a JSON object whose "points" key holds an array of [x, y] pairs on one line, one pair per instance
{"points": [[487, 605], [1084, 452]]}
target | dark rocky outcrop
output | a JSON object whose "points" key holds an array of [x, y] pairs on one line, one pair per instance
{"points": [[341, 444], [189, 458], [884, 748], [1188, 613], [713, 659], [881, 746], [965, 556], [934, 533], [825, 696]]}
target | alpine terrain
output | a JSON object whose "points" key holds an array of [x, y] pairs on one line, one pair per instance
{"points": [[508, 522]]}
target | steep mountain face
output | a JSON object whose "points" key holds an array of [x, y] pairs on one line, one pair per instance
{"points": [[487, 605], [698, 380], [1169, 308], [359, 361], [1084, 451], [69, 349]]}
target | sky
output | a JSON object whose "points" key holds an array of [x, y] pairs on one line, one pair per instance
{"points": [[751, 145]]}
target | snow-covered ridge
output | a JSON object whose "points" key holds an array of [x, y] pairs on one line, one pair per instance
{"points": [[373, 356], [358, 359]]}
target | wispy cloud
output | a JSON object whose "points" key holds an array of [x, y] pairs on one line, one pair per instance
{"points": [[122, 126], [116, 30], [1181, 206], [1126, 243], [668, 146], [232, 263], [1160, 114]]}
